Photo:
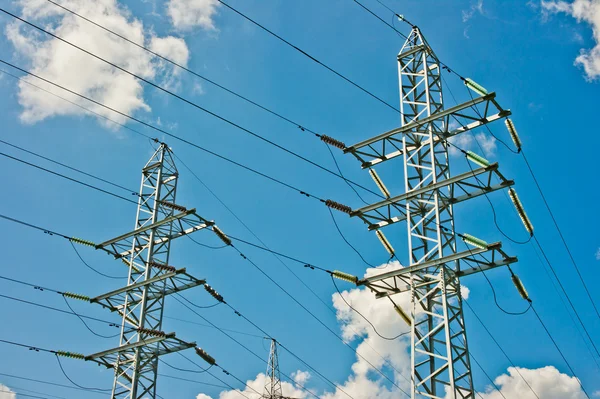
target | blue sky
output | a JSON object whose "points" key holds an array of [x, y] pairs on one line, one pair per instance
{"points": [[526, 53]]}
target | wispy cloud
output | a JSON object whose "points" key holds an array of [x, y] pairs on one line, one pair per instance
{"points": [[584, 11], [475, 8]]}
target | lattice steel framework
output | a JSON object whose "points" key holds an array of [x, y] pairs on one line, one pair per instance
{"points": [[273, 382], [440, 357], [146, 252]]}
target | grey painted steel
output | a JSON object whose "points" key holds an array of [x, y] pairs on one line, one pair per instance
{"points": [[140, 303], [440, 363]]}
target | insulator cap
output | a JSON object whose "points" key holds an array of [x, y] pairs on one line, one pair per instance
{"points": [[520, 287], [333, 142], [478, 159], [152, 333], [221, 235], [162, 267], [384, 241], [207, 358], [476, 87], [76, 296], [82, 242], [338, 207], [520, 210], [513, 133], [379, 183], [173, 206], [474, 241], [344, 276], [213, 293], [403, 314], [72, 355]]}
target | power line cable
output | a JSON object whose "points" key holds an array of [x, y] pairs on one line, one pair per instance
{"points": [[24, 395], [85, 324], [385, 360], [69, 167], [90, 267], [163, 131], [560, 351], [74, 383], [68, 178], [315, 317], [46, 383], [500, 347], [237, 341], [184, 68], [181, 98], [309, 56], [361, 315]]}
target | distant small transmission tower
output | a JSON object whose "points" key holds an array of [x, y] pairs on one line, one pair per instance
{"points": [[273, 383], [145, 251], [441, 366]]}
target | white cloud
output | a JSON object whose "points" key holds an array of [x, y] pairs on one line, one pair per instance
{"points": [[301, 377], [476, 8], [466, 141], [586, 11], [188, 14], [6, 392], [547, 382], [598, 254], [67, 66], [363, 382]]}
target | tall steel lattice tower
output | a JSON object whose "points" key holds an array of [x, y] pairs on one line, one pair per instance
{"points": [[145, 250], [273, 388], [440, 357], [273, 382]]}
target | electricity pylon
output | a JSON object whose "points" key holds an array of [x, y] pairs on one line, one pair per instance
{"points": [[145, 250], [273, 388], [441, 365]]}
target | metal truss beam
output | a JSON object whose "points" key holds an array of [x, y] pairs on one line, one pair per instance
{"points": [[171, 282], [459, 188], [187, 222], [397, 281], [440, 367], [146, 251], [389, 145]]}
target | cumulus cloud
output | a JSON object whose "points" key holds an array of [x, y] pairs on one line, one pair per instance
{"points": [[258, 385], [189, 14], [393, 357], [6, 392], [547, 382], [598, 254], [67, 66], [584, 11]]}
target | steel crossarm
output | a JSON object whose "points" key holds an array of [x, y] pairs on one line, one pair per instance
{"points": [[170, 283], [451, 191], [154, 345], [397, 281], [388, 145], [174, 226]]}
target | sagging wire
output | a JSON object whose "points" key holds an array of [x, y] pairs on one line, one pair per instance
{"points": [[73, 382], [361, 315], [337, 227], [198, 306], [522, 214], [90, 267], [341, 174], [205, 245], [186, 370], [64, 296]]}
